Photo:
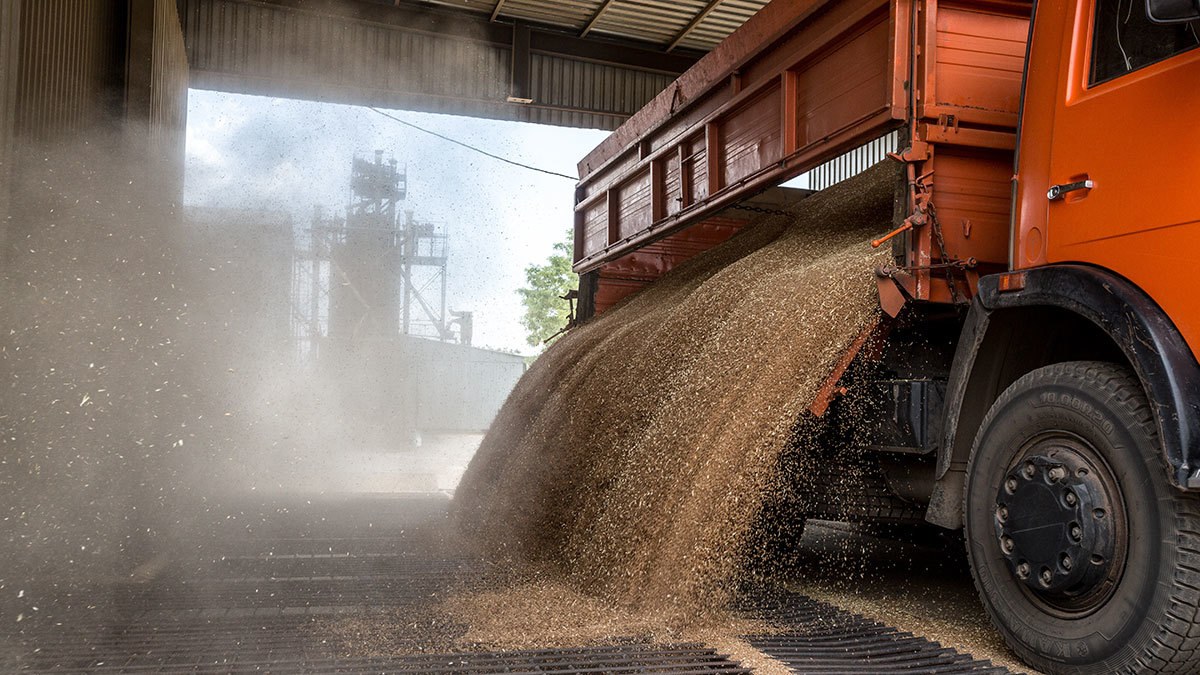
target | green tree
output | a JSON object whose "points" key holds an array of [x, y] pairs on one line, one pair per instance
{"points": [[545, 311]]}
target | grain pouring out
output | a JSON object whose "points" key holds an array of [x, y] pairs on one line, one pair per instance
{"points": [[635, 456]]}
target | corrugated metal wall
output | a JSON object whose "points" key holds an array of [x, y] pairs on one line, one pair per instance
{"points": [[261, 49], [81, 70], [60, 71], [65, 69], [69, 65], [156, 86], [852, 163], [169, 79], [562, 87], [659, 22], [10, 22]]}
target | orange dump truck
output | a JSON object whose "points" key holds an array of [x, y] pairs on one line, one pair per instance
{"points": [[1034, 378]]}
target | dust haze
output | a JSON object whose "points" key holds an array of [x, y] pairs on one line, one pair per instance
{"points": [[154, 384]]}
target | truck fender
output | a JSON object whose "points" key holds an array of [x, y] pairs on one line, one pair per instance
{"points": [[1138, 327]]}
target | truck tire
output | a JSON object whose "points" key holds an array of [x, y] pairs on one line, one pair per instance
{"points": [[1084, 555]]}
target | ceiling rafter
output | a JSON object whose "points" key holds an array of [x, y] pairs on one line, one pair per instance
{"points": [[691, 25], [596, 17], [496, 11]]}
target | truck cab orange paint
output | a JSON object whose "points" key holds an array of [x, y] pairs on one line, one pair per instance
{"points": [[1112, 98]]}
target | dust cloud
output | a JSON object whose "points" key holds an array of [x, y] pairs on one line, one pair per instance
{"points": [[146, 395], [112, 423]]}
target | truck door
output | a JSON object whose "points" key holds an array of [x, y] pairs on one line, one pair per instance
{"points": [[1124, 171]]}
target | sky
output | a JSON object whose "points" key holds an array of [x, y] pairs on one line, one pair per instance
{"points": [[254, 152]]}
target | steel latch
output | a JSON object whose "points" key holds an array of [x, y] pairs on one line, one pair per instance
{"points": [[1057, 191]]}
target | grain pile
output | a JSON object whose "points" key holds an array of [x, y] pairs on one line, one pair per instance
{"points": [[636, 458]]}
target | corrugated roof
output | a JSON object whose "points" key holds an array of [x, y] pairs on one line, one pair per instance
{"points": [[446, 56], [667, 23], [252, 47]]}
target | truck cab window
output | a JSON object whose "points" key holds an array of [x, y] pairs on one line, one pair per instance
{"points": [[1124, 39]]}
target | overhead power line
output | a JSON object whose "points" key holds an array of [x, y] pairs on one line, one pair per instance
{"points": [[470, 147]]}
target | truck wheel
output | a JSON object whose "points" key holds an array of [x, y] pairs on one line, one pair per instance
{"points": [[1084, 555]]}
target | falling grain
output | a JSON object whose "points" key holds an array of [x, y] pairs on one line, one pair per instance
{"points": [[634, 459]]}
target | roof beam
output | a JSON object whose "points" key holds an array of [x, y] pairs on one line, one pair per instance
{"points": [[419, 17], [495, 12], [596, 17], [687, 30]]}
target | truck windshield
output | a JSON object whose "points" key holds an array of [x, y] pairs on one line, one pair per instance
{"points": [[1124, 39]]}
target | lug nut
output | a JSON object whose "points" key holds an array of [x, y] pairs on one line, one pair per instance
{"points": [[1002, 513], [1065, 562], [1029, 469], [1023, 570], [1010, 485], [1007, 544], [1070, 498], [1057, 473], [1047, 577], [1076, 532]]}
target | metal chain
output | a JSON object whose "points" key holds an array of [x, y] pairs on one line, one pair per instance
{"points": [[941, 242], [759, 209]]}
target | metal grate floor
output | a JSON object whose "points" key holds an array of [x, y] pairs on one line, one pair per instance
{"points": [[253, 603], [821, 638]]}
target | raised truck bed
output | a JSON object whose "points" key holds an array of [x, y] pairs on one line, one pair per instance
{"points": [[801, 83]]}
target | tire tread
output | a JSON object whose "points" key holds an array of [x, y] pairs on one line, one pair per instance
{"points": [[1175, 645]]}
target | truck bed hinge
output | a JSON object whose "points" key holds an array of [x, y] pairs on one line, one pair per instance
{"points": [[923, 212], [570, 297], [920, 199]]}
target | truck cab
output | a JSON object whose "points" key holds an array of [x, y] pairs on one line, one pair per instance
{"points": [[1108, 126]]}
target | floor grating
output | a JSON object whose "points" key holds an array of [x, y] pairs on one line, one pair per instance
{"points": [[255, 604]]}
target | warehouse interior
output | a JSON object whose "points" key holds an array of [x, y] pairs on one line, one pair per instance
{"points": [[158, 513]]}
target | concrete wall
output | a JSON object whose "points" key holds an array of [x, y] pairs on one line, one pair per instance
{"points": [[391, 391]]}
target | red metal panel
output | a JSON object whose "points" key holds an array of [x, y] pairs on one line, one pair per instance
{"points": [[807, 81], [611, 290], [632, 272], [621, 167], [696, 163], [972, 192], [633, 204], [973, 59], [595, 227], [838, 70], [747, 42], [750, 138], [844, 87], [672, 197]]}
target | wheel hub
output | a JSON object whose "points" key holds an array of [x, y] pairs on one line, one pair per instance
{"points": [[1055, 523]]}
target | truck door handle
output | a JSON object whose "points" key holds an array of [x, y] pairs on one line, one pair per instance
{"points": [[1057, 191]]}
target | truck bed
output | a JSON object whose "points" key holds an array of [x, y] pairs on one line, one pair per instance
{"points": [[803, 82]]}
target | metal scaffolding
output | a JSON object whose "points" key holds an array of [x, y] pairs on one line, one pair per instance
{"points": [[375, 272]]}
